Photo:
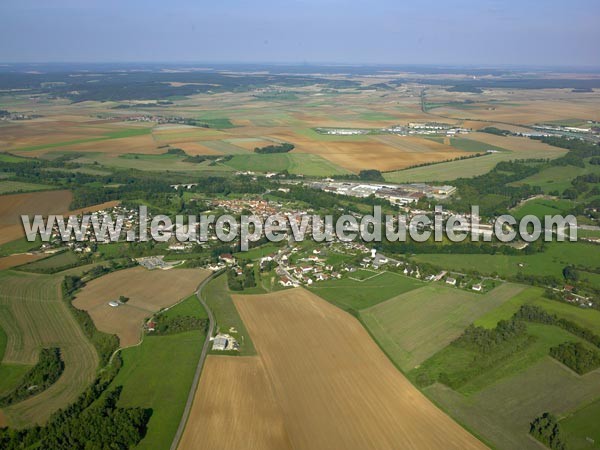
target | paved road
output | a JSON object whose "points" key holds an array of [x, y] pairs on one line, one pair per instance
{"points": [[205, 348]]}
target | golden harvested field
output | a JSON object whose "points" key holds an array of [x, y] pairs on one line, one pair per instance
{"points": [[195, 148], [386, 153], [148, 292], [12, 206], [33, 315], [235, 407], [333, 386]]}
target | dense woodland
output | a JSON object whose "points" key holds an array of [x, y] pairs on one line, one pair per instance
{"points": [[575, 356], [179, 324]]}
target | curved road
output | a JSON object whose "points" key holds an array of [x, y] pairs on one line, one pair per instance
{"points": [[192, 393]]}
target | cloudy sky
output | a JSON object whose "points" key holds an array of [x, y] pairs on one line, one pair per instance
{"points": [[455, 32]]}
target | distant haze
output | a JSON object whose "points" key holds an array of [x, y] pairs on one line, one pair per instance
{"points": [[456, 32]]}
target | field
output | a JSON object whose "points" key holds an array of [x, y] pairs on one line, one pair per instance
{"points": [[258, 419], [499, 401], [52, 263], [582, 426], [296, 163], [317, 362], [16, 260], [556, 178], [502, 412], [542, 207], [7, 187], [148, 292], [415, 325], [517, 148], [358, 295], [34, 316], [588, 318], [550, 262], [146, 369], [13, 206], [240, 121]]}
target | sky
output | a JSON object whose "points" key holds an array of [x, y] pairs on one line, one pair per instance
{"points": [[435, 32]]}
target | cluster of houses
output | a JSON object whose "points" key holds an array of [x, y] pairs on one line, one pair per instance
{"points": [[88, 238]]}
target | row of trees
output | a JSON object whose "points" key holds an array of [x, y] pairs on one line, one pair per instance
{"points": [[280, 148]]}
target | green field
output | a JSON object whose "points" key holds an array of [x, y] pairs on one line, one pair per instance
{"points": [[466, 168], [542, 207], [258, 252], [158, 374], [451, 170], [414, 326], [19, 246], [357, 295], [7, 187], [157, 163], [473, 372], [582, 426], [296, 163], [550, 262], [557, 178], [588, 318], [52, 263], [501, 413], [218, 298], [471, 145], [362, 275], [188, 307], [8, 158], [10, 374]]}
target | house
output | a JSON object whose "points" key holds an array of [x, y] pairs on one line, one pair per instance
{"points": [[150, 325], [451, 281], [307, 280], [227, 258], [286, 282], [477, 287], [317, 251]]}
